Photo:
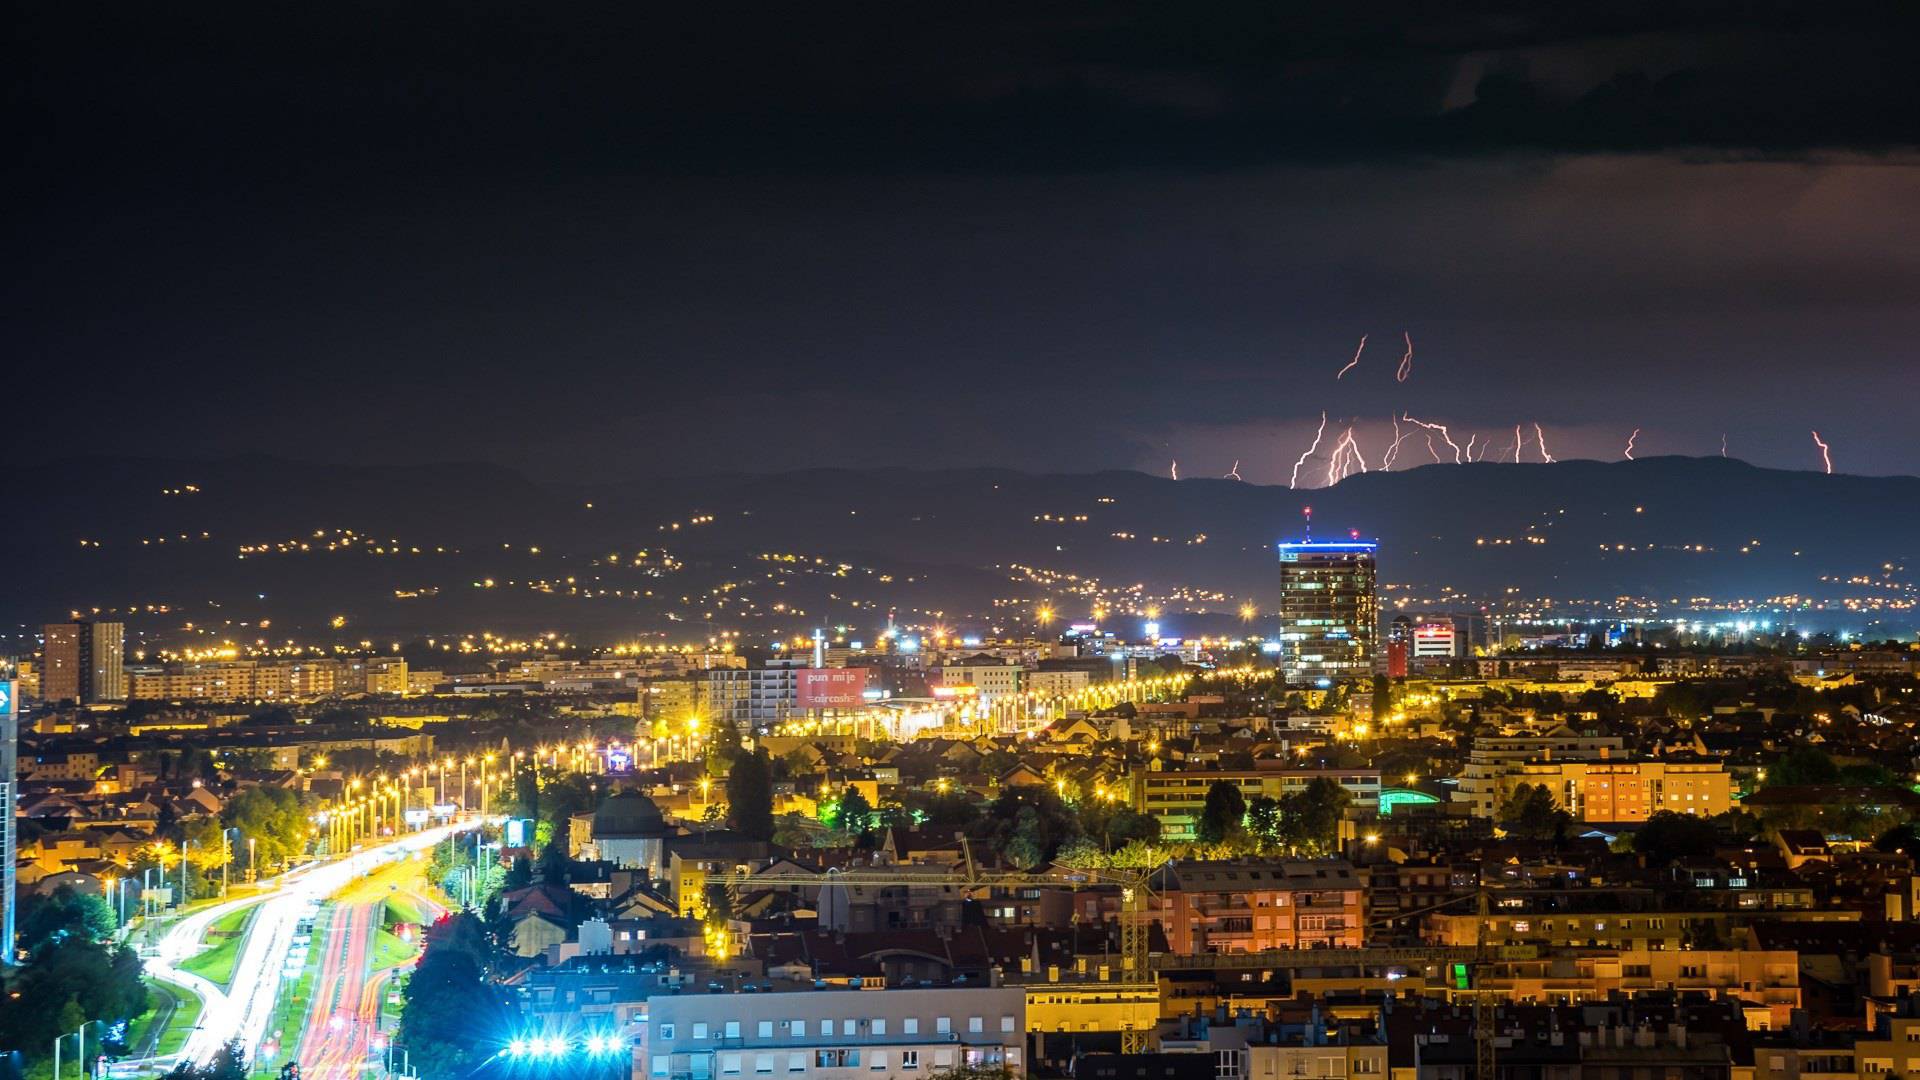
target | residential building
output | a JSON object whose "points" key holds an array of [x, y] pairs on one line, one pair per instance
{"points": [[752, 698], [85, 662], [1495, 756], [1627, 791], [895, 1034], [1252, 905]]}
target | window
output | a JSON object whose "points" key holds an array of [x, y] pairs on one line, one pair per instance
{"points": [[797, 1062], [766, 1029], [666, 1031], [797, 1028], [733, 1029], [909, 1059], [879, 1025], [846, 1027], [730, 1064], [910, 1026], [826, 1027], [1006, 1023], [943, 1057], [976, 1025], [877, 1059], [659, 1065], [763, 1063], [943, 1025], [700, 1031], [1368, 1066]]}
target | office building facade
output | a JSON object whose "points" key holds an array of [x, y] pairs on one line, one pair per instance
{"points": [[1329, 610]]}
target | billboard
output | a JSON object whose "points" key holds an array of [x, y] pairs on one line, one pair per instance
{"points": [[519, 832], [831, 688]]}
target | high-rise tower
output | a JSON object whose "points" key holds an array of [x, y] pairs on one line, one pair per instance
{"points": [[1329, 612]]}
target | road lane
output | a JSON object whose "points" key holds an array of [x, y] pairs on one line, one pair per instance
{"points": [[244, 1010]]}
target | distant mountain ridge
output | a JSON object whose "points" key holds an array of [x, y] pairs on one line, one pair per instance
{"points": [[948, 541]]}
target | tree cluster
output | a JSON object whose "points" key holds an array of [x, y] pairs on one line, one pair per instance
{"points": [[73, 974], [449, 998], [1303, 822]]}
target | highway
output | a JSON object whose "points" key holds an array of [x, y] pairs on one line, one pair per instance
{"points": [[244, 1010], [341, 1026]]}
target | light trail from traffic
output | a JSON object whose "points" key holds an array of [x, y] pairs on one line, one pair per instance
{"points": [[245, 1009]]}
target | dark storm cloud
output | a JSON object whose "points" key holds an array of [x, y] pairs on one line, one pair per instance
{"points": [[206, 90], [612, 237]]}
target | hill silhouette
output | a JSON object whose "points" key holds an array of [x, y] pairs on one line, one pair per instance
{"points": [[410, 550]]}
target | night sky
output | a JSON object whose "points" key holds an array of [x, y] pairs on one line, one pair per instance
{"points": [[605, 239]]}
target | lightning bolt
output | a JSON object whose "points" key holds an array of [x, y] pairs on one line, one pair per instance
{"points": [[1234, 473], [1294, 480], [1470, 440], [1431, 450], [1630, 438], [1356, 358], [1518, 442], [1723, 444], [1826, 458], [1542, 436], [1346, 456], [1176, 470], [1406, 362], [1393, 452], [1442, 429]]}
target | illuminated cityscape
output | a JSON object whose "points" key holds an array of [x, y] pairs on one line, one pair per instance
{"points": [[591, 541]]}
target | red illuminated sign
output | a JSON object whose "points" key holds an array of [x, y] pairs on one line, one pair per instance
{"points": [[832, 688]]}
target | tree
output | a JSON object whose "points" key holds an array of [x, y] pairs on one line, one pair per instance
{"points": [[1312, 815], [1028, 825], [520, 874], [855, 813], [1226, 808], [719, 905], [1668, 836], [1803, 765], [1264, 819], [448, 999], [273, 819], [750, 795], [723, 745], [565, 795], [68, 913], [1530, 812], [1382, 698], [228, 1063], [205, 843]]}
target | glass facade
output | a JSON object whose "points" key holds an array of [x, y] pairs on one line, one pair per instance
{"points": [[1329, 611]]}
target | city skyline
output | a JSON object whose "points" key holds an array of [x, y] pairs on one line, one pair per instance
{"points": [[1107, 540]]}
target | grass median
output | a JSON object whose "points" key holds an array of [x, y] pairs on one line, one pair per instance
{"points": [[226, 935]]}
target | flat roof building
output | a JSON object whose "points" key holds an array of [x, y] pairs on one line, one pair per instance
{"points": [[1329, 610]]}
